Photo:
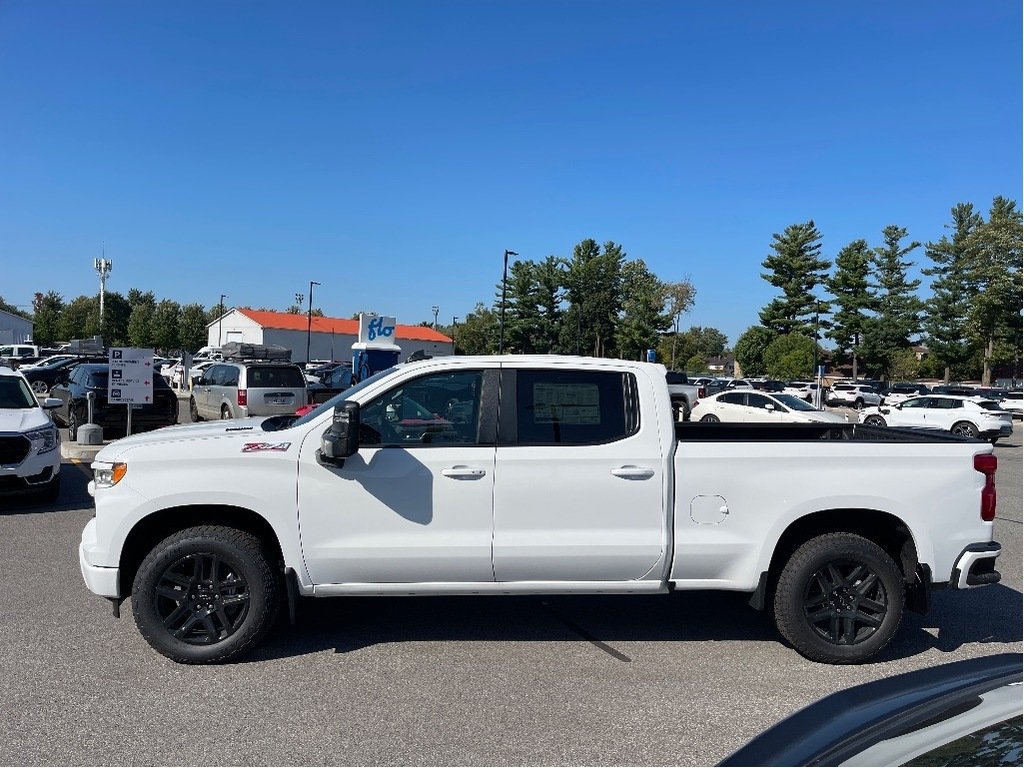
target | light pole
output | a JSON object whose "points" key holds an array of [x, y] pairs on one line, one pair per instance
{"points": [[455, 322], [435, 309], [504, 284], [220, 318], [309, 318]]}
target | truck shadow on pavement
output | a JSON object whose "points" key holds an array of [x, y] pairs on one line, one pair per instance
{"points": [[610, 622], [74, 494]]}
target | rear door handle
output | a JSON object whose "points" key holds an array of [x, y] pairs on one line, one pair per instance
{"points": [[463, 472], [631, 472]]}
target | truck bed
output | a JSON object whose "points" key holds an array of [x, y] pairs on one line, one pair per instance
{"points": [[767, 433]]}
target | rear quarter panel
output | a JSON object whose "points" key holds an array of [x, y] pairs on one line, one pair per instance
{"points": [[932, 487]]}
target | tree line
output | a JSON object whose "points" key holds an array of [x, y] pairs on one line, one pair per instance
{"points": [[596, 302], [870, 308], [135, 320]]}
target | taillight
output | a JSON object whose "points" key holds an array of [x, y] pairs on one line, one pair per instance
{"points": [[243, 397], [702, 392], [986, 464]]}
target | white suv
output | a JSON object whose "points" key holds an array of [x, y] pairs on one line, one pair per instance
{"points": [[853, 395], [29, 440]]}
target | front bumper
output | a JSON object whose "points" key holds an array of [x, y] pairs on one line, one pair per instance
{"points": [[100, 580], [976, 566]]}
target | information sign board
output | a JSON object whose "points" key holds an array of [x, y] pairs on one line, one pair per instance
{"points": [[131, 376]]}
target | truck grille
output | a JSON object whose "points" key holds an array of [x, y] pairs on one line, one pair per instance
{"points": [[13, 449]]}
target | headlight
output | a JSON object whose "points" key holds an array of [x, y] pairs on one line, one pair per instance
{"points": [[109, 475], [43, 440]]}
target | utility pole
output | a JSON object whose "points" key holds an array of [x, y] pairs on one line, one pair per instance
{"points": [[436, 309], [309, 318], [455, 322], [220, 320], [504, 285]]}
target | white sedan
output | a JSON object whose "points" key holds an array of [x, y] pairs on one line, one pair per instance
{"points": [[752, 406], [961, 416]]}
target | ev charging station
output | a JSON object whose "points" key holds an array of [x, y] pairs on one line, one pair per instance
{"points": [[376, 349]]}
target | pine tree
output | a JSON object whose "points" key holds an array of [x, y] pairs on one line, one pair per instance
{"points": [[994, 277], [643, 311], [946, 320], [594, 293], [797, 269], [853, 299], [898, 318]]}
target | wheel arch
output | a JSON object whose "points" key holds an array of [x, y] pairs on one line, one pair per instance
{"points": [[883, 528], [157, 526]]}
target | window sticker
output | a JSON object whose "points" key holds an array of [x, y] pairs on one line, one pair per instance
{"points": [[557, 403]]}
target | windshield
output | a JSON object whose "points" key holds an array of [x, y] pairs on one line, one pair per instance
{"points": [[794, 403], [15, 394], [343, 396]]}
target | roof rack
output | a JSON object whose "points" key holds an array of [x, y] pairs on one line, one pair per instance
{"points": [[235, 351]]}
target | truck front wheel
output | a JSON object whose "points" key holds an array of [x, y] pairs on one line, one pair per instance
{"points": [[839, 599], [205, 595]]}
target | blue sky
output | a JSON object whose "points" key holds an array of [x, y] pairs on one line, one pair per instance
{"points": [[393, 150]]}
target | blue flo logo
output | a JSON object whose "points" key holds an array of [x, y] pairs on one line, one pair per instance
{"points": [[377, 328]]}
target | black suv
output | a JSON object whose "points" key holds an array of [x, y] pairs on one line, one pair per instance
{"points": [[92, 377]]}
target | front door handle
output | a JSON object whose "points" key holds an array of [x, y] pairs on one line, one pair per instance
{"points": [[463, 472], [631, 472]]}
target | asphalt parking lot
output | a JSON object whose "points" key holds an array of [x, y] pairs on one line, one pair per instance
{"points": [[668, 680]]}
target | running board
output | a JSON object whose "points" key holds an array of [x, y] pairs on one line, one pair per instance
{"points": [[493, 588]]}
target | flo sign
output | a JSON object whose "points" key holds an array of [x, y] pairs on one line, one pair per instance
{"points": [[375, 330]]}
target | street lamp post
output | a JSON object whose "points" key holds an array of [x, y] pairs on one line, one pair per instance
{"points": [[220, 319], [309, 318], [455, 322], [504, 285], [435, 309]]}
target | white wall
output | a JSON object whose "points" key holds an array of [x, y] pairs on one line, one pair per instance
{"points": [[14, 329]]}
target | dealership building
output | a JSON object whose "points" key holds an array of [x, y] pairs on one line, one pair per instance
{"points": [[330, 338]]}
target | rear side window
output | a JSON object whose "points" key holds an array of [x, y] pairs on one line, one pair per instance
{"points": [[734, 398], [260, 376], [575, 407]]}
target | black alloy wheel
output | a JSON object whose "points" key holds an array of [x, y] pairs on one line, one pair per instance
{"points": [[845, 602], [709, 418], [202, 599], [874, 421]]}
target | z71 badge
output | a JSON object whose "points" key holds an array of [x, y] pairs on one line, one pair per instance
{"points": [[256, 447]]}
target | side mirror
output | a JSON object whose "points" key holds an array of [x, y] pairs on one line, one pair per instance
{"points": [[898, 406], [52, 402], [341, 440], [769, 407]]}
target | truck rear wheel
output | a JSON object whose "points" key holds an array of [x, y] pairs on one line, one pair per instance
{"points": [[205, 595], [839, 599]]}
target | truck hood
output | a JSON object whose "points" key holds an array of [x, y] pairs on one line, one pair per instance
{"points": [[235, 429]]}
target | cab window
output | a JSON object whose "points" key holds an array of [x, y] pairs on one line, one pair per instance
{"points": [[574, 407], [438, 409]]}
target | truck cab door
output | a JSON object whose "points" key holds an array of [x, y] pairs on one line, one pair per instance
{"points": [[413, 505], [580, 486]]}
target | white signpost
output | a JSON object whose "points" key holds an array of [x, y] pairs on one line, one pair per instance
{"points": [[131, 378]]}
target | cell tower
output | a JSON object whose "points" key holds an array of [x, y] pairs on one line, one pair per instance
{"points": [[103, 267]]}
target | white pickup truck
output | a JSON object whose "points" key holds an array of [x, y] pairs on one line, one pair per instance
{"points": [[532, 475]]}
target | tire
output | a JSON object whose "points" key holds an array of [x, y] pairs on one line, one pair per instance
{"points": [[205, 595], [193, 410], [709, 418], [874, 421], [73, 417], [225, 412], [40, 387], [858, 403], [964, 429], [994, 440], [839, 599]]}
